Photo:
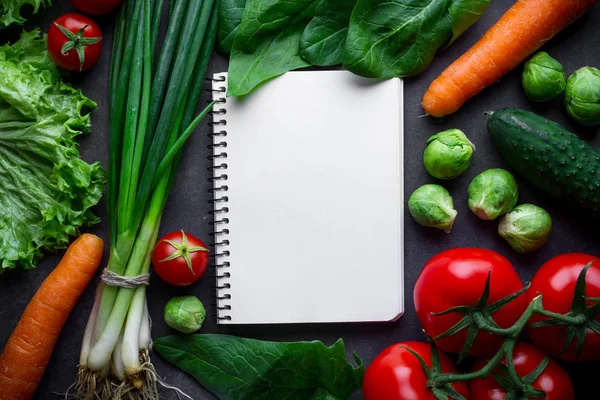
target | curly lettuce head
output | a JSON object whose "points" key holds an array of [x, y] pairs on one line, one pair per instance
{"points": [[46, 189], [11, 11]]}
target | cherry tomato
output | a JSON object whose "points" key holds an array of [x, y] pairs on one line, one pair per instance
{"points": [[180, 258], [74, 42], [554, 380], [555, 280], [396, 374], [95, 7], [457, 277]]}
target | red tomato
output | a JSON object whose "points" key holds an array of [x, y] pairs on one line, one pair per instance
{"points": [[95, 7], [74, 42], [396, 374], [180, 258], [554, 380], [457, 277], [555, 280]]}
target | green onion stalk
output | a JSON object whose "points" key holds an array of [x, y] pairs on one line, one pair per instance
{"points": [[153, 96]]}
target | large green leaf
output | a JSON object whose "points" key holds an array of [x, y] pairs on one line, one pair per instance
{"points": [[322, 42], [372, 38], [235, 368], [464, 13], [267, 42], [400, 37], [230, 17], [10, 10], [277, 36], [47, 190]]}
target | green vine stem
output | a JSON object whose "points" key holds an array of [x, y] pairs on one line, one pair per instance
{"points": [[511, 334], [576, 320]]}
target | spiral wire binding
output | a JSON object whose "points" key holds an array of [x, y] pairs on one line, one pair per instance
{"points": [[219, 201]]}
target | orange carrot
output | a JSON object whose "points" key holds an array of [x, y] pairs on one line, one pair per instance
{"points": [[28, 349], [523, 29]]}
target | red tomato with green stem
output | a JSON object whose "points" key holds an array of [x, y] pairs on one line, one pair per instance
{"points": [[556, 281], [95, 7], [180, 258], [456, 278], [396, 374], [74, 42], [552, 380]]}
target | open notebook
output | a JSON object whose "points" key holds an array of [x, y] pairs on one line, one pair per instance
{"points": [[308, 186]]}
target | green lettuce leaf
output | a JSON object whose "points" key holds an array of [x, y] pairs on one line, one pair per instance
{"points": [[47, 190], [235, 368], [10, 10]]}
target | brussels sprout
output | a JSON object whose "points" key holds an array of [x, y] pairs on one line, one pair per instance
{"points": [[526, 228], [543, 78], [492, 193], [432, 206], [583, 96], [448, 154], [185, 314]]}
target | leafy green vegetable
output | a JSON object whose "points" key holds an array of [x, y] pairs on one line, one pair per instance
{"points": [[47, 190], [185, 313], [267, 42], [582, 97], [493, 193], [464, 13], [323, 40], [526, 228], [448, 154], [277, 36], [400, 37], [371, 38], [432, 206], [543, 78], [230, 17], [235, 368], [10, 10]]}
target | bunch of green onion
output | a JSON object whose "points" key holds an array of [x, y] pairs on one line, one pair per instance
{"points": [[153, 93]]}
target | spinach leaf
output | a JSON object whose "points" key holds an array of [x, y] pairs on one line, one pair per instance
{"points": [[401, 37], [235, 368], [230, 17], [277, 36], [464, 13], [372, 38], [267, 42], [322, 42]]}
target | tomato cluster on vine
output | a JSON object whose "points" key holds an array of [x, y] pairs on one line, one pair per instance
{"points": [[471, 302]]}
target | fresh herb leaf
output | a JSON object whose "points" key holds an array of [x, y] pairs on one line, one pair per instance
{"points": [[400, 38], [10, 11], [230, 17], [47, 190], [235, 368], [322, 42]]}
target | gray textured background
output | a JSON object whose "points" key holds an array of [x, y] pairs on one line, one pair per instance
{"points": [[187, 208]]}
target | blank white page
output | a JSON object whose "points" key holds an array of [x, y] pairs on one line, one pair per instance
{"points": [[315, 200]]}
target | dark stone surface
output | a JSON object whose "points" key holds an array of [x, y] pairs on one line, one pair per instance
{"points": [[575, 47]]}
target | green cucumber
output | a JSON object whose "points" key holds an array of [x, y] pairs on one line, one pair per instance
{"points": [[549, 156]]}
